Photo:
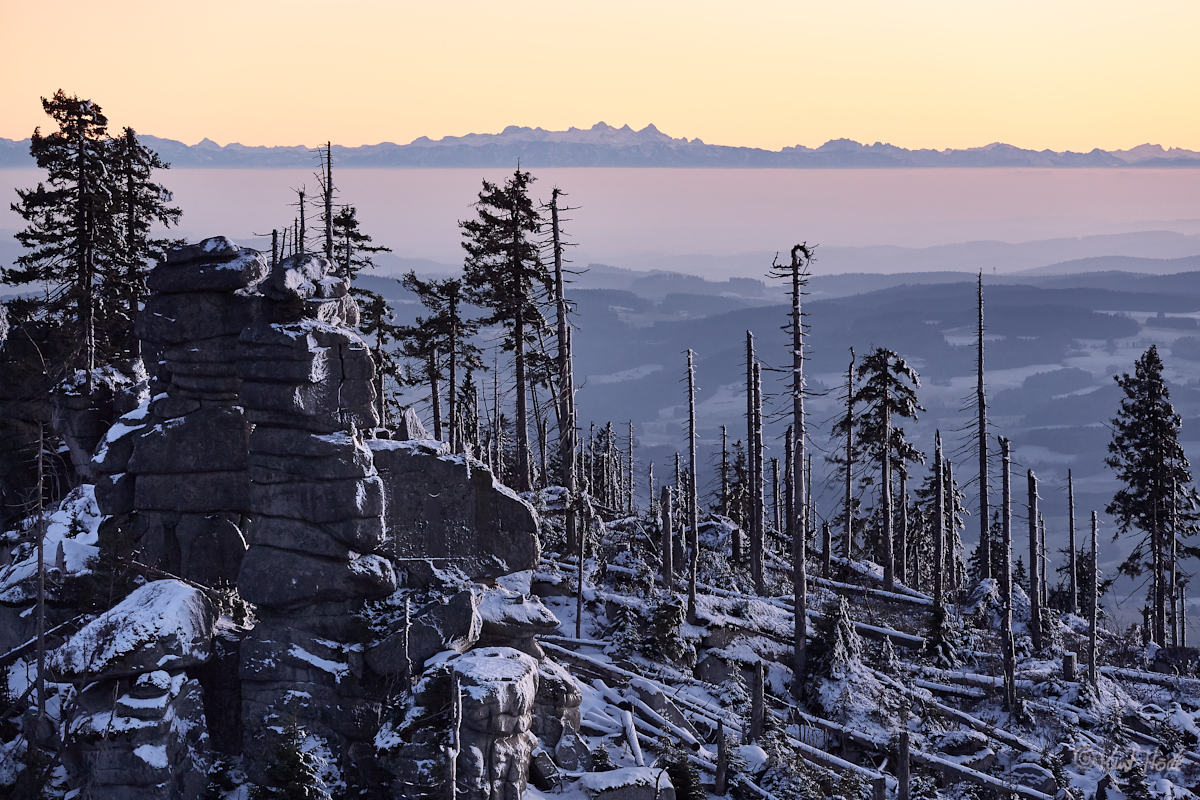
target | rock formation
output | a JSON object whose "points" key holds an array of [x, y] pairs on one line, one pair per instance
{"points": [[137, 729], [254, 463], [316, 507], [178, 472]]}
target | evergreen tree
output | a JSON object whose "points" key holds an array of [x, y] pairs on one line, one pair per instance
{"points": [[625, 637], [666, 635], [1132, 780], [680, 769], [886, 390], [504, 273], [1019, 575], [377, 321], [138, 203], [353, 251], [942, 643], [836, 644], [70, 227], [1146, 456], [291, 773], [443, 335]]}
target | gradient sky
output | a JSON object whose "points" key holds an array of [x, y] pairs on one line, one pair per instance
{"points": [[1064, 74]]}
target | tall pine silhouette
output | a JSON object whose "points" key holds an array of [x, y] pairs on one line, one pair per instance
{"points": [[505, 274]]}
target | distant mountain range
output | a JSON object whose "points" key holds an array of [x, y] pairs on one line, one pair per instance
{"points": [[605, 146]]}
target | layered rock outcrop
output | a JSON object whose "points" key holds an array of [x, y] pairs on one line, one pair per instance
{"points": [[316, 510], [177, 472]]}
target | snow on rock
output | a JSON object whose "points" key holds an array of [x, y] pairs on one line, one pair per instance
{"points": [[628, 783], [497, 683], [70, 544], [162, 625], [511, 615]]}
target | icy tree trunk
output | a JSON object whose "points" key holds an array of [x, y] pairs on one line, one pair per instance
{"points": [[1072, 567], [759, 526], [693, 511], [1006, 634], [848, 543], [1094, 600], [1035, 621], [668, 541], [939, 529], [985, 563]]}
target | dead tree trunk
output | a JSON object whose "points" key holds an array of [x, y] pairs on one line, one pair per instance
{"points": [[759, 525], [435, 393], [668, 541], [757, 704], [1094, 600], [1174, 579], [720, 780], [902, 768], [826, 546], [985, 561], [693, 511], [776, 521], [885, 500], [848, 544], [902, 529], [952, 537], [1035, 621], [41, 580], [724, 472], [939, 529], [1072, 568], [327, 191], [1006, 588]]}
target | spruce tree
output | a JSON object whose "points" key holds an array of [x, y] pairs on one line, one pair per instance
{"points": [[448, 332], [887, 390], [70, 229], [291, 773], [1146, 456], [504, 273], [138, 203]]}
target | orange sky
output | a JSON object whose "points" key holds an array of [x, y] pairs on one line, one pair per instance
{"points": [[1063, 74]]}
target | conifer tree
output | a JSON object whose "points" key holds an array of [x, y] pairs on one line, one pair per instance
{"points": [[70, 223], [504, 273], [1146, 456], [448, 333], [291, 773], [138, 203], [887, 390]]}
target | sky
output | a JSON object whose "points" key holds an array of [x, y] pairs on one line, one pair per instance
{"points": [[1065, 74]]}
